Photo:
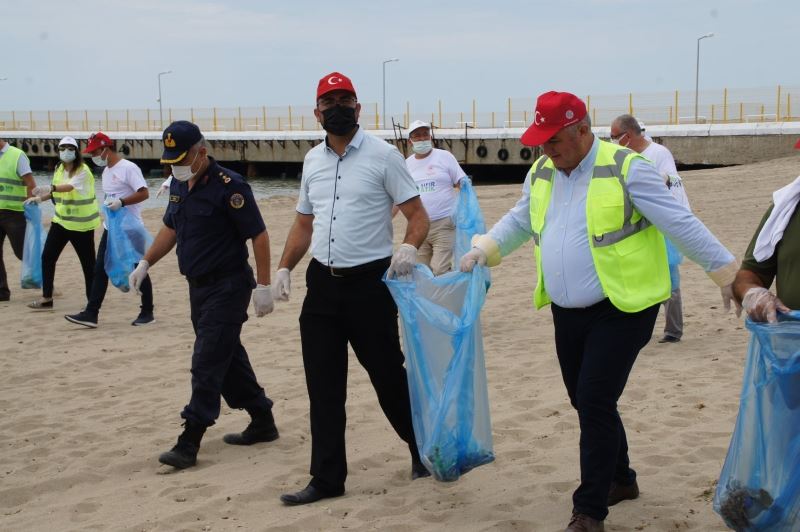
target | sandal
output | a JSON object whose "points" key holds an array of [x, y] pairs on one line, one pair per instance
{"points": [[41, 304]]}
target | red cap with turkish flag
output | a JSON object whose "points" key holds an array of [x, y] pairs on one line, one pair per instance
{"points": [[334, 82], [554, 112], [97, 140]]}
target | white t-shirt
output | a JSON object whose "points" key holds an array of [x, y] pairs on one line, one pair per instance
{"points": [[122, 180], [662, 159], [435, 176]]}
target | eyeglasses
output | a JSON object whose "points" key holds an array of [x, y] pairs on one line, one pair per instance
{"points": [[617, 137], [64, 148], [345, 101]]}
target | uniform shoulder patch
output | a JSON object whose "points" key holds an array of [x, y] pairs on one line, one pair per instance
{"points": [[237, 200], [225, 178]]}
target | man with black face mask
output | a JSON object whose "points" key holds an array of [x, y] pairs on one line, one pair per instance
{"points": [[344, 214]]}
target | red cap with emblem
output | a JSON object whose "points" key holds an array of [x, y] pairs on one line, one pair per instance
{"points": [[554, 112], [334, 82]]}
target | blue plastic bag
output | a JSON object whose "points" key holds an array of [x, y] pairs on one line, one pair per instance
{"points": [[35, 235], [759, 487], [674, 258], [444, 356], [127, 241]]}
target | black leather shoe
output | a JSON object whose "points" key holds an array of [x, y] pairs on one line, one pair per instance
{"points": [[257, 431], [418, 470], [307, 495], [621, 492], [669, 339]]}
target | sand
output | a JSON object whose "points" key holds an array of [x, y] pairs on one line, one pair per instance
{"points": [[85, 413]]}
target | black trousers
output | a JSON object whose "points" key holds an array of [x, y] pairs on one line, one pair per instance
{"points": [[12, 223], [100, 282], [57, 239], [596, 349], [220, 365], [357, 309]]}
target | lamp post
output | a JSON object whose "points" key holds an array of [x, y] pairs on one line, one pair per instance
{"points": [[384, 88], [697, 75], [160, 107]]}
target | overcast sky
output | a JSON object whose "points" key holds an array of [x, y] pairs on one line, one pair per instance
{"points": [[91, 54]]}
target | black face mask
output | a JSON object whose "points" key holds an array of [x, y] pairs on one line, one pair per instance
{"points": [[338, 120]]}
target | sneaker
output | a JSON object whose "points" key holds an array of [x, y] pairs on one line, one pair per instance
{"points": [[41, 304], [144, 318], [669, 339], [83, 318]]}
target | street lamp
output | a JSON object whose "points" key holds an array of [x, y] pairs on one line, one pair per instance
{"points": [[160, 107], [384, 88], [697, 74]]}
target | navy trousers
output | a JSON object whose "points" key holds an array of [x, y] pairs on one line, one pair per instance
{"points": [[596, 349]]}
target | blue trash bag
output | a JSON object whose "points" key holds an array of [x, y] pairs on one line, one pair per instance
{"points": [[674, 258], [445, 365], [759, 487], [35, 235], [127, 241], [468, 220]]}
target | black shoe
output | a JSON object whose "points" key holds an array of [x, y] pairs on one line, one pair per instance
{"points": [[418, 470], [184, 454], [622, 492], [84, 318], [308, 495], [144, 318], [669, 339], [259, 430]]}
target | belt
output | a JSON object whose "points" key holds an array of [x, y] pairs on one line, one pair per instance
{"points": [[380, 264], [207, 279]]}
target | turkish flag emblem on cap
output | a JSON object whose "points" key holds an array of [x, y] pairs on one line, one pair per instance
{"points": [[334, 82], [554, 112]]}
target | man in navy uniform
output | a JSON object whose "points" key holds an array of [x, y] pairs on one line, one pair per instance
{"points": [[210, 215]]}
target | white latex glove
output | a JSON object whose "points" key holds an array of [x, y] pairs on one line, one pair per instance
{"points": [[136, 278], [114, 204], [727, 297], [163, 188], [42, 191], [471, 258], [282, 285], [262, 300], [32, 199], [403, 260], [762, 305]]}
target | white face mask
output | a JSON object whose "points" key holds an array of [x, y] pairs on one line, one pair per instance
{"points": [[99, 161], [67, 155], [184, 173], [422, 146], [618, 139]]}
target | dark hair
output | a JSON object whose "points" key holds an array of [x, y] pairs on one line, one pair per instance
{"points": [[77, 163]]}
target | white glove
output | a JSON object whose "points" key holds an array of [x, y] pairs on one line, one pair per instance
{"points": [[762, 305], [727, 297], [262, 300], [42, 191], [163, 188], [136, 278], [403, 260], [473, 257], [282, 285], [32, 199], [114, 204]]}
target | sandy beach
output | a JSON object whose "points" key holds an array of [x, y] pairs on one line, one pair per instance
{"points": [[85, 413]]}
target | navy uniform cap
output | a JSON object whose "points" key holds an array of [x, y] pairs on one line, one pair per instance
{"points": [[178, 138]]}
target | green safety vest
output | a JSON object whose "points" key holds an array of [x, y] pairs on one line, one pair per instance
{"points": [[76, 211], [629, 253], [13, 191]]}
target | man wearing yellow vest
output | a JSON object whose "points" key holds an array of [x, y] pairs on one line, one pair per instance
{"points": [[598, 214], [16, 184]]}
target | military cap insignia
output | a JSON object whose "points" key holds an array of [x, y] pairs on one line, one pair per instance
{"points": [[169, 142], [237, 201]]}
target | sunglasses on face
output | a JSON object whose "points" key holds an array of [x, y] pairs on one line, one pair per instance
{"points": [[64, 148]]}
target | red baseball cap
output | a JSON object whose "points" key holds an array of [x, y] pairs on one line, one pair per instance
{"points": [[98, 140], [797, 146], [334, 82], [554, 112]]}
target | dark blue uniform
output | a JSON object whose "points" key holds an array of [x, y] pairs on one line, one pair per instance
{"points": [[213, 222]]}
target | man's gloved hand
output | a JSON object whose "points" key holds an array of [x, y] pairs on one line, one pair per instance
{"points": [[136, 278], [262, 300], [42, 191], [163, 188], [762, 305], [471, 258], [727, 297], [114, 204], [403, 260], [282, 285], [32, 199]]}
